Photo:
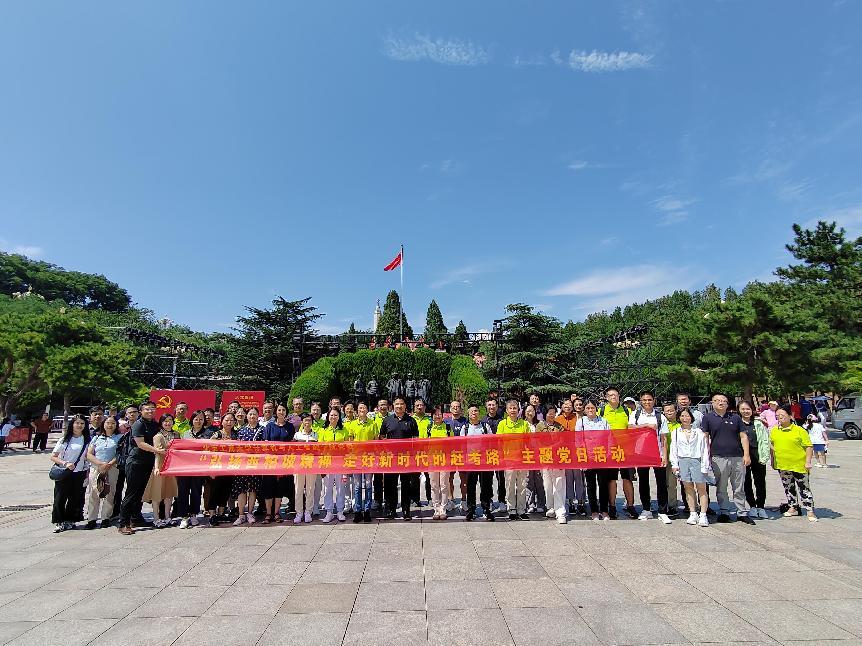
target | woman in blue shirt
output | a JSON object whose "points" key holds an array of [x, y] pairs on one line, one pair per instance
{"points": [[102, 457], [274, 488]]}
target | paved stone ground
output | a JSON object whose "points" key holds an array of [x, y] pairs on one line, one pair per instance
{"points": [[620, 582]]}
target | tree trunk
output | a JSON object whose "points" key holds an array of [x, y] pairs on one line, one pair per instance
{"points": [[749, 392], [67, 405]]}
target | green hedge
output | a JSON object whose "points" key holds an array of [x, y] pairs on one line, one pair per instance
{"points": [[316, 383], [450, 376], [467, 383]]}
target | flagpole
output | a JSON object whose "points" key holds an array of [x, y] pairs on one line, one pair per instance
{"points": [[401, 298]]}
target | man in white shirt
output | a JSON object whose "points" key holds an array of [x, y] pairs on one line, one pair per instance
{"points": [[647, 415]]}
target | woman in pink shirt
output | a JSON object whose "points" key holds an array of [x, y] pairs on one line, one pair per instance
{"points": [[768, 416]]}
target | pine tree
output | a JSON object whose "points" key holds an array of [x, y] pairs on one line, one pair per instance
{"points": [[388, 324], [460, 333], [435, 328]]}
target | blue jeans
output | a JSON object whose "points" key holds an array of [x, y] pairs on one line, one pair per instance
{"points": [[362, 483]]}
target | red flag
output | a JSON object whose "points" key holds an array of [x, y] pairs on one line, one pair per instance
{"points": [[394, 264]]}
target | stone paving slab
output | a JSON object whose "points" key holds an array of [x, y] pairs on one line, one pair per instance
{"points": [[537, 582]]}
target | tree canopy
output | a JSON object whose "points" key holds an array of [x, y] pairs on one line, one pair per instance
{"points": [[388, 325]]}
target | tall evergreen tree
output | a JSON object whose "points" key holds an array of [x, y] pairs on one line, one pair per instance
{"points": [[435, 328], [388, 324]]}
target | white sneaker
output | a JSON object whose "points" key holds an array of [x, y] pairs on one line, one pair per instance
{"points": [[58, 528], [665, 519], [550, 513], [464, 506], [239, 521], [308, 517], [184, 523], [250, 518], [692, 519], [341, 518], [450, 506], [298, 519], [531, 509], [328, 518], [562, 520], [193, 521], [645, 515], [503, 507], [703, 521]]}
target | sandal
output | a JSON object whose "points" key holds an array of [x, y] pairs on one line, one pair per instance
{"points": [[278, 518], [266, 520]]}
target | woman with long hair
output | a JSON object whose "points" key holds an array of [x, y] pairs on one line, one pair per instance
{"points": [[161, 488], [758, 449], [536, 502], [70, 453], [189, 487], [102, 456], [220, 485], [277, 487]]}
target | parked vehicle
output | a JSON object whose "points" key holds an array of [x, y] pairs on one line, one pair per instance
{"points": [[847, 416]]}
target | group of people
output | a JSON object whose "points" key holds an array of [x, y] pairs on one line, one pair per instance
{"points": [[116, 465]]}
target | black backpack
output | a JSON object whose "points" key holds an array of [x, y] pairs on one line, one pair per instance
{"points": [[124, 448]]}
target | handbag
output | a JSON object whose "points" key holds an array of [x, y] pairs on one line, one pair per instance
{"points": [[59, 473], [102, 485]]}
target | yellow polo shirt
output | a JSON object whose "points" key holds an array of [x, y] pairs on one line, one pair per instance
{"points": [[507, 426]]}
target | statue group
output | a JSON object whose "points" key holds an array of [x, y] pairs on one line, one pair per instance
{"points": [[410, 389]]}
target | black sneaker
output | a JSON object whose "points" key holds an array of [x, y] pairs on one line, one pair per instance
{"points": [[724, 518], [105, 524], [747, 520], [513, 517], [357, 517], [366, 517], [489, 516], [470, 515], [524, 516], [631, 511], [90, 525], [408, 516], [142, 522], [582, 510], [710, 511], [573, 508], [612, 513], [390, 515]]}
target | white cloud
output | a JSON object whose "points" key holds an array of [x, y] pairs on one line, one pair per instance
{"points": [[31, 251], [850, 218], [536, 60], [604, 289], [465, 275], [446, 51], [578, 164], [673, 208], [596, 61]]}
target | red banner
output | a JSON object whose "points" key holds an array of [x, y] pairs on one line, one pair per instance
{"points": [[167, 400], [560, 450], [246, 399]]}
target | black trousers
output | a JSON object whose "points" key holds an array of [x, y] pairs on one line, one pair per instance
{"points": [[69, 498], [595, 480], [408, 482], [188, 496], [40, 441], [660, 483], [378, 489], [486, 482], [755, 475], [118, 492], [428, 487], [501, 486], [137, 476], [220, 491]]}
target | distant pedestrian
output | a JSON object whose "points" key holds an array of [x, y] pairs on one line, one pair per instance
{"points": [[819, 439], [41, 428]]}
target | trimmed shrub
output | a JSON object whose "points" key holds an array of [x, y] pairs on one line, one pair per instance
{"points": [[466, 382], [316, 383]]}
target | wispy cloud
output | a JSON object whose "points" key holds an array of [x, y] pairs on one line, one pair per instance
{"points": [[794, 191], [535, 60], [583, 164], [604, 289], [850, 218], [31, 251], [673, 208], [464, 275], [446, 51], [597, 62]]}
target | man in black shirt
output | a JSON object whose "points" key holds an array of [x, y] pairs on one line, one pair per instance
{"points": [[399, 426], [492, 419], [139, 465], [730, 456]]}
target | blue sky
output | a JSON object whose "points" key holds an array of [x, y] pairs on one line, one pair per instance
{"points": [[574, 156]]}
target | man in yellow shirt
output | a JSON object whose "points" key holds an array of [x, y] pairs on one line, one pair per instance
{"points": [[424, 424], [363, 429], [617, 417], [516, 479]]}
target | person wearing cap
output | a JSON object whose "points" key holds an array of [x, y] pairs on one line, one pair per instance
{"points": [[768, 416], [631, 403]]}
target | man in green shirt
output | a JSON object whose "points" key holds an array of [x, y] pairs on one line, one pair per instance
{"points": [[423, 421], [617, 417], [516, 479], [181, 422]]}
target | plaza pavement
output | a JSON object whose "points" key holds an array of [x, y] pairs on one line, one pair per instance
{"points": [[620, 582]]}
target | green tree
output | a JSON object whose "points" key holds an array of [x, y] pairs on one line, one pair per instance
{"points": [[261, 356], [435, 328], [388, 324], [460, 334], [523, 359], [89, 291]]}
